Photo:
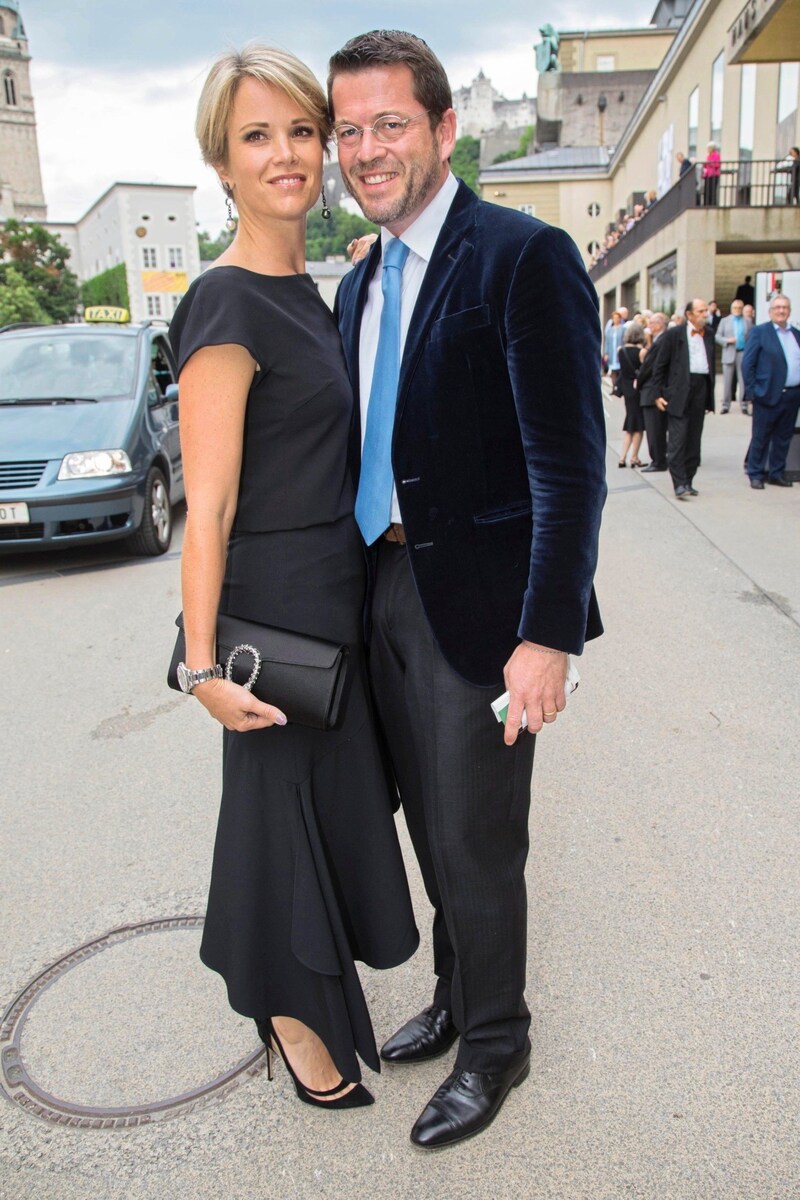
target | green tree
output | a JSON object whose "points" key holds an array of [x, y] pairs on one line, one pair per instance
{"points": [[522, 149], [324, 238], [109, 287], [40, 258], [211, 249], [465, 161], [18, 300]]}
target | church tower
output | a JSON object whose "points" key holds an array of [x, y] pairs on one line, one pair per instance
{"points": [[21, 192]]}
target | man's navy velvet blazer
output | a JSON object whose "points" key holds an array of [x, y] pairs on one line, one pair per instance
{"points": [[499, 440]]}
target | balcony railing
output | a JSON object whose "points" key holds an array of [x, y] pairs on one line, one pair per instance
{"points": [[741, 183]]}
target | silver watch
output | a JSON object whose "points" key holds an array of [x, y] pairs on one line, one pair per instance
{"points": [[189, 679]]}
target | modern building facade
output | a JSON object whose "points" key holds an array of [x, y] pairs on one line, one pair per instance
{"points": [[21, 192], [148, 227], [713, 84]]}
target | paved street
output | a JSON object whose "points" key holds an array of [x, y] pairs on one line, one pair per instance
{"points": [[663, 884]]}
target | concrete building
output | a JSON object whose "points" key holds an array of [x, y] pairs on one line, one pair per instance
{"points": [[21, 192], [148, 227], [480, 108], [727, 78]]}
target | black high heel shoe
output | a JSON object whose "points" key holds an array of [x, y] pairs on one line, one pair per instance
{"points": [[357, 1097]]}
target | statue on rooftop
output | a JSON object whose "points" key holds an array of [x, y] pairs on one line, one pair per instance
{"points": [[547, 50]]}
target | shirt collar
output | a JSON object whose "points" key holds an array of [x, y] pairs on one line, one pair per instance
{"points": [[780, 328], [422, 235]]}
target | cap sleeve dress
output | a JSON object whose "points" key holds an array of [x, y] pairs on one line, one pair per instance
{"points": [[307, 874]]}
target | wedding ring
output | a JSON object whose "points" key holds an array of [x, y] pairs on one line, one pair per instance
{"points": [[550, 714]]}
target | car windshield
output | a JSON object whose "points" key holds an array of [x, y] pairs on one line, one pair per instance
{"points": [[57, 365]]}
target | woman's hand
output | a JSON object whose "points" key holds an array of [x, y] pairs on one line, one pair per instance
{"points": [[236, 708], [359, 248]]}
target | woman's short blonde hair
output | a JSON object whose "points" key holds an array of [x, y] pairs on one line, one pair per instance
{"points": [[267, 64]]}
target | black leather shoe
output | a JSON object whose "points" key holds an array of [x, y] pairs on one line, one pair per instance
{"points": [[682, 492], [779, 481], [425, 1036], [651, 469], [692, 491], [465, 1104], [758, 484]]}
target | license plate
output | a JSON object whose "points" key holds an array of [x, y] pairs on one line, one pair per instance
{"points": [[14, 514]]}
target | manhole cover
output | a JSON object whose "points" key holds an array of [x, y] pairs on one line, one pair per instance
{"points": [[78, 1058]]}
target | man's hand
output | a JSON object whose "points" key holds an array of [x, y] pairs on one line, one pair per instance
{"points": [[661, 404], [534, 676]]}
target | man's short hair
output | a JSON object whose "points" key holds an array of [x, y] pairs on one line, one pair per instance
{"points": [[779, 296], [389, 48]]}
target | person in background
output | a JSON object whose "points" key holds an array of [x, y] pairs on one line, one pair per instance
{"points": [[711, 174], [629, 362], [746, 292], [772, 377], [655, 421], [614, 333], [714, 316], [731, 335], [683, 379], [685, 163]]}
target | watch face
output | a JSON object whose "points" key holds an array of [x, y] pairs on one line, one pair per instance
{"points": [[184, 680]]}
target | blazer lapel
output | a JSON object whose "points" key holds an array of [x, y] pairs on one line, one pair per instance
{"points": [[452, 250], [350, 330]]}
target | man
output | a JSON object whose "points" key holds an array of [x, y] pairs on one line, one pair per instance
{"points": [[772, 378], [714, 316], [686, 164], [497, 415], [655, 421], [732, 334], [683, 380], [745, 291]]}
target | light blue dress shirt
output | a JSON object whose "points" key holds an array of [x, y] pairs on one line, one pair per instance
{"points": [[791, 352]]}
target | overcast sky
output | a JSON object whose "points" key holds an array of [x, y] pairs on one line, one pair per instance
{"points": [[116, 86]]}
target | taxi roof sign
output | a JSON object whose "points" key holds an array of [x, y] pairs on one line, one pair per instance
{"points": [[105, 312]]}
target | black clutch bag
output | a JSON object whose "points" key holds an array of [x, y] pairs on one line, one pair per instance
{"points": [[303, 676]]}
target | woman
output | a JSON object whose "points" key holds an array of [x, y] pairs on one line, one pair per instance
{"points": [[711, 175], [307, 872], [630, 357], [613, 340]]}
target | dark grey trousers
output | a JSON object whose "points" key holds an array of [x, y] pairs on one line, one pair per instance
{"points": [[686, 432], [466, 798]]}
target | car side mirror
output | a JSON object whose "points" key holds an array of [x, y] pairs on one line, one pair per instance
{"points": [[172, 392]]}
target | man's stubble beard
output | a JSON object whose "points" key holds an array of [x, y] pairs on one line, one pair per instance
{"points": [[421, 179]]}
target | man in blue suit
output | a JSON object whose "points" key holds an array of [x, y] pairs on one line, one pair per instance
{"points": [[771, 368], [480, 489]]}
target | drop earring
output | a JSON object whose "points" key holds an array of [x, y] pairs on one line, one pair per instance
{"points": [[326, 212], [232, 221]]}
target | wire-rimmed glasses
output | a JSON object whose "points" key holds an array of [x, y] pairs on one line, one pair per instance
{"points": [[385, 129]]}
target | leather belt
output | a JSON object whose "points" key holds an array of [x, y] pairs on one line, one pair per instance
{"points": [[396, 534]]}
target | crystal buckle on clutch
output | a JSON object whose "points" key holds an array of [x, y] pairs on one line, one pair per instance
{"points": [[244, 648]]}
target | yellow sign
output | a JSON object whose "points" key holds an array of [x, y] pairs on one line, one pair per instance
{"points": [[165, 281], [104, 312]]}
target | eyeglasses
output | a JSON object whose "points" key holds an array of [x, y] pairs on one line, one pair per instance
{"points": [[385, 129]]}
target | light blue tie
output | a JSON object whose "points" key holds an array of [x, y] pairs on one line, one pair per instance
{"points": [[374, 499]]}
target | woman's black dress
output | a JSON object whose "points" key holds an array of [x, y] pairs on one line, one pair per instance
{"points": [[307, 873], [628, 368]]}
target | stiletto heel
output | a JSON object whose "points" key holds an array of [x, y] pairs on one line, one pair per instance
{"points": [[357, 1097]]}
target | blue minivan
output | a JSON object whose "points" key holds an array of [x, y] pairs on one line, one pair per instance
{"points": [[89, 442]]}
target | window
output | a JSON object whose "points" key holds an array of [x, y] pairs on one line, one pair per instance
{"points": [[175, 301], [747, 111], [10, 89], [175, 258], [528, 209], [593, 248], [717, 88], [149, 258], [694, 116], [605, 62], [593, 209], [663, 284], [154, 306], [788, 82]]}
